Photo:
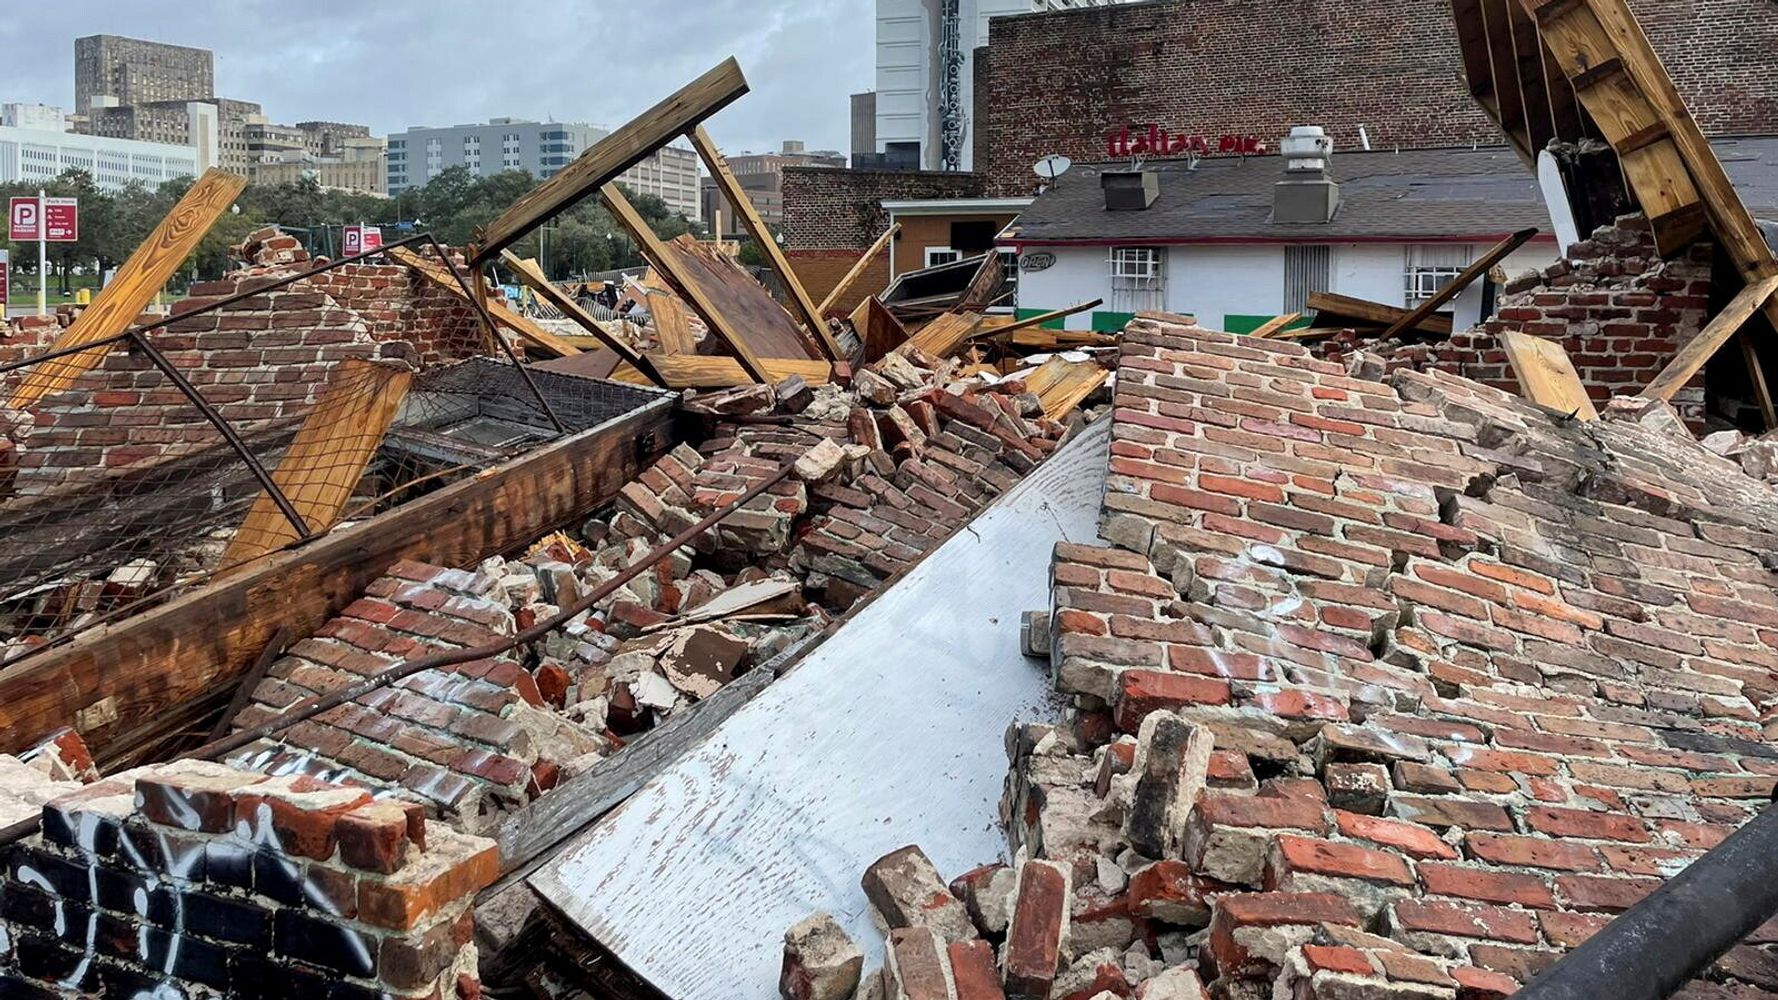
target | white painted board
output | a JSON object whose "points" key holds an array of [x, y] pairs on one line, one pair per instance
{"points": [[890, 733]]}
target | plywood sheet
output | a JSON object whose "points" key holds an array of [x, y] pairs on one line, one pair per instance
{"points": [[693, 881], [1546, 376]]}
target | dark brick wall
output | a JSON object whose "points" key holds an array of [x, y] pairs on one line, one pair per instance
{"points": [[827, 209], [1059, 82]]}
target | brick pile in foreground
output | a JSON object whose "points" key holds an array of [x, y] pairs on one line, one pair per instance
{"points": [[1383, 689]]}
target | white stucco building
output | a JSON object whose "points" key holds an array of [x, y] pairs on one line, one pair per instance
{"points": [[1208, 243], [35, 156]]}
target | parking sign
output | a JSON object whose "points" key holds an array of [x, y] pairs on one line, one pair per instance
{"points": [[355, 240], [55, 219], [24, 218]]}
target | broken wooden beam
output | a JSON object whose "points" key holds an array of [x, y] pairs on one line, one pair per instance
{"points": [[534, 278], [321, 468], [1330, 304], [1424, 311], [802, 306], [1274, 325], [1030, 322], [844, 288], [135, 284], [1546, 375], [704, 371], [1699, 350], [629, 145]]}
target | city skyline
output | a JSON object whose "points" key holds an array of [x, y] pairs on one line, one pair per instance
{"points": [[314, 63]]}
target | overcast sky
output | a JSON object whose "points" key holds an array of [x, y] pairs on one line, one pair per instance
{"points": [[392, 64]]}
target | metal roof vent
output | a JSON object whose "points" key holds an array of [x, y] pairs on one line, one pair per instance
{"points": [[1130, 190], [1306, 193]]}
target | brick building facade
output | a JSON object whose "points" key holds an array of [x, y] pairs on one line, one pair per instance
{"points": [[1214, 67], [832, 216]]}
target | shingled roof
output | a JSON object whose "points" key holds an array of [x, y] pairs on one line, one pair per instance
{"points": [[1480, 194]]}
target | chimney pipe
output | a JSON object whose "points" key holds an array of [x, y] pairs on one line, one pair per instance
{"points": [[1306, 193]]}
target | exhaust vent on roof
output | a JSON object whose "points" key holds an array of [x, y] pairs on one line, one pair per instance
{"points": [[1130, 190], [1306, 193]]}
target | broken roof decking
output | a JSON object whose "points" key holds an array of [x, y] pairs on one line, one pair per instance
{"points": [[891, 730]]}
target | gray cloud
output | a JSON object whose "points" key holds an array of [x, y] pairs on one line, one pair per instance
{"points": [[398, 63]]}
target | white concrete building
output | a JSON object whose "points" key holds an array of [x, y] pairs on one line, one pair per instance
{"points": [[40, 117], [1208, 242], [35, 156], [926, 72]]}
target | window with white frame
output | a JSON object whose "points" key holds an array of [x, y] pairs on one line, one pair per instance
{"points": [[942, 255], [1429, 268], [1138, 278]]}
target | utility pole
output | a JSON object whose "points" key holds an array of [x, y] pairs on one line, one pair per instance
{"points": [[42, 256]]}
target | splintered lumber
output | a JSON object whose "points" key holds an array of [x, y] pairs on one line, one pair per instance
{"points": [[327, 457], [440, 275], [534, 278], [671, 326], [1702, 347], [108, 681], [1031, 322], [943, 336], [802, 306], [1618, 90], [147, 271], [1050, 340], [979, 294], [1328, 304], [881, 332], [1546, 376], [667, 264], [1499, 252], [1274, 325], [629, 145], [701, 371], [1061, 385], [844, 288]]}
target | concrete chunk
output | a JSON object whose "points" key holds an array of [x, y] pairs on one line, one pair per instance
{"points": [[906, 890]]}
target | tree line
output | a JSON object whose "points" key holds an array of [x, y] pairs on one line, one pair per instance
{"points": [[583, 240]]}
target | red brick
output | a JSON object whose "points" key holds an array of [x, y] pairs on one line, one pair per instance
{"points": [[1532, 852], [917, 958], [1292, 855], [1482, 984], [1487, 886], [1325, 958], [1034, 939], [1144, 691], [972, 969], [1268, 909], [1170, 892], [1465, 920], [1608, 895], [1589, 825], [1409, 838], [374, 837], [1269, 811]]}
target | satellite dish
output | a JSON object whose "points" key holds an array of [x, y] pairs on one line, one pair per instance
{"points": [[1052, 166]]}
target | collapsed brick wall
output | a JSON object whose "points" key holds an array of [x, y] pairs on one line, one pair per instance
{"points": [[195, 880], [1059, 82], [1475, 679], [828, 209], [261, 359], [1619, 310]]}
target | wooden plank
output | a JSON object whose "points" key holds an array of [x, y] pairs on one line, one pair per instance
{"points": [[1729, 218], [1274, 325], [943, 336], [1546, 376], [1347, 307], [802, 306], [672, 326], [534, 278], [135, 284], [1050, 340], [1035, 321], [1701, 348], [440, 276], [322, 467], [668, 264], [614, 154], [1510, 100], [881, 334], [978, 295], [111, 678], [1756, 372], [1483, 264], [704, 371], [844, 288], [1061, 385]]}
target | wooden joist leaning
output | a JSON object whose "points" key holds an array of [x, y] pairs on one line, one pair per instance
{"points": [[629, 145], [844, 288], [1482, 265], [800, 304], [437, 273], [534, 278], [1329, 304], [147, 271], [1697, 351], [1546, 375], [1274, 325], [321, 469]]}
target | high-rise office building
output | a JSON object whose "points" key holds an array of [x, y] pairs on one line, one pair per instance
{"points": [[115, 71]]}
